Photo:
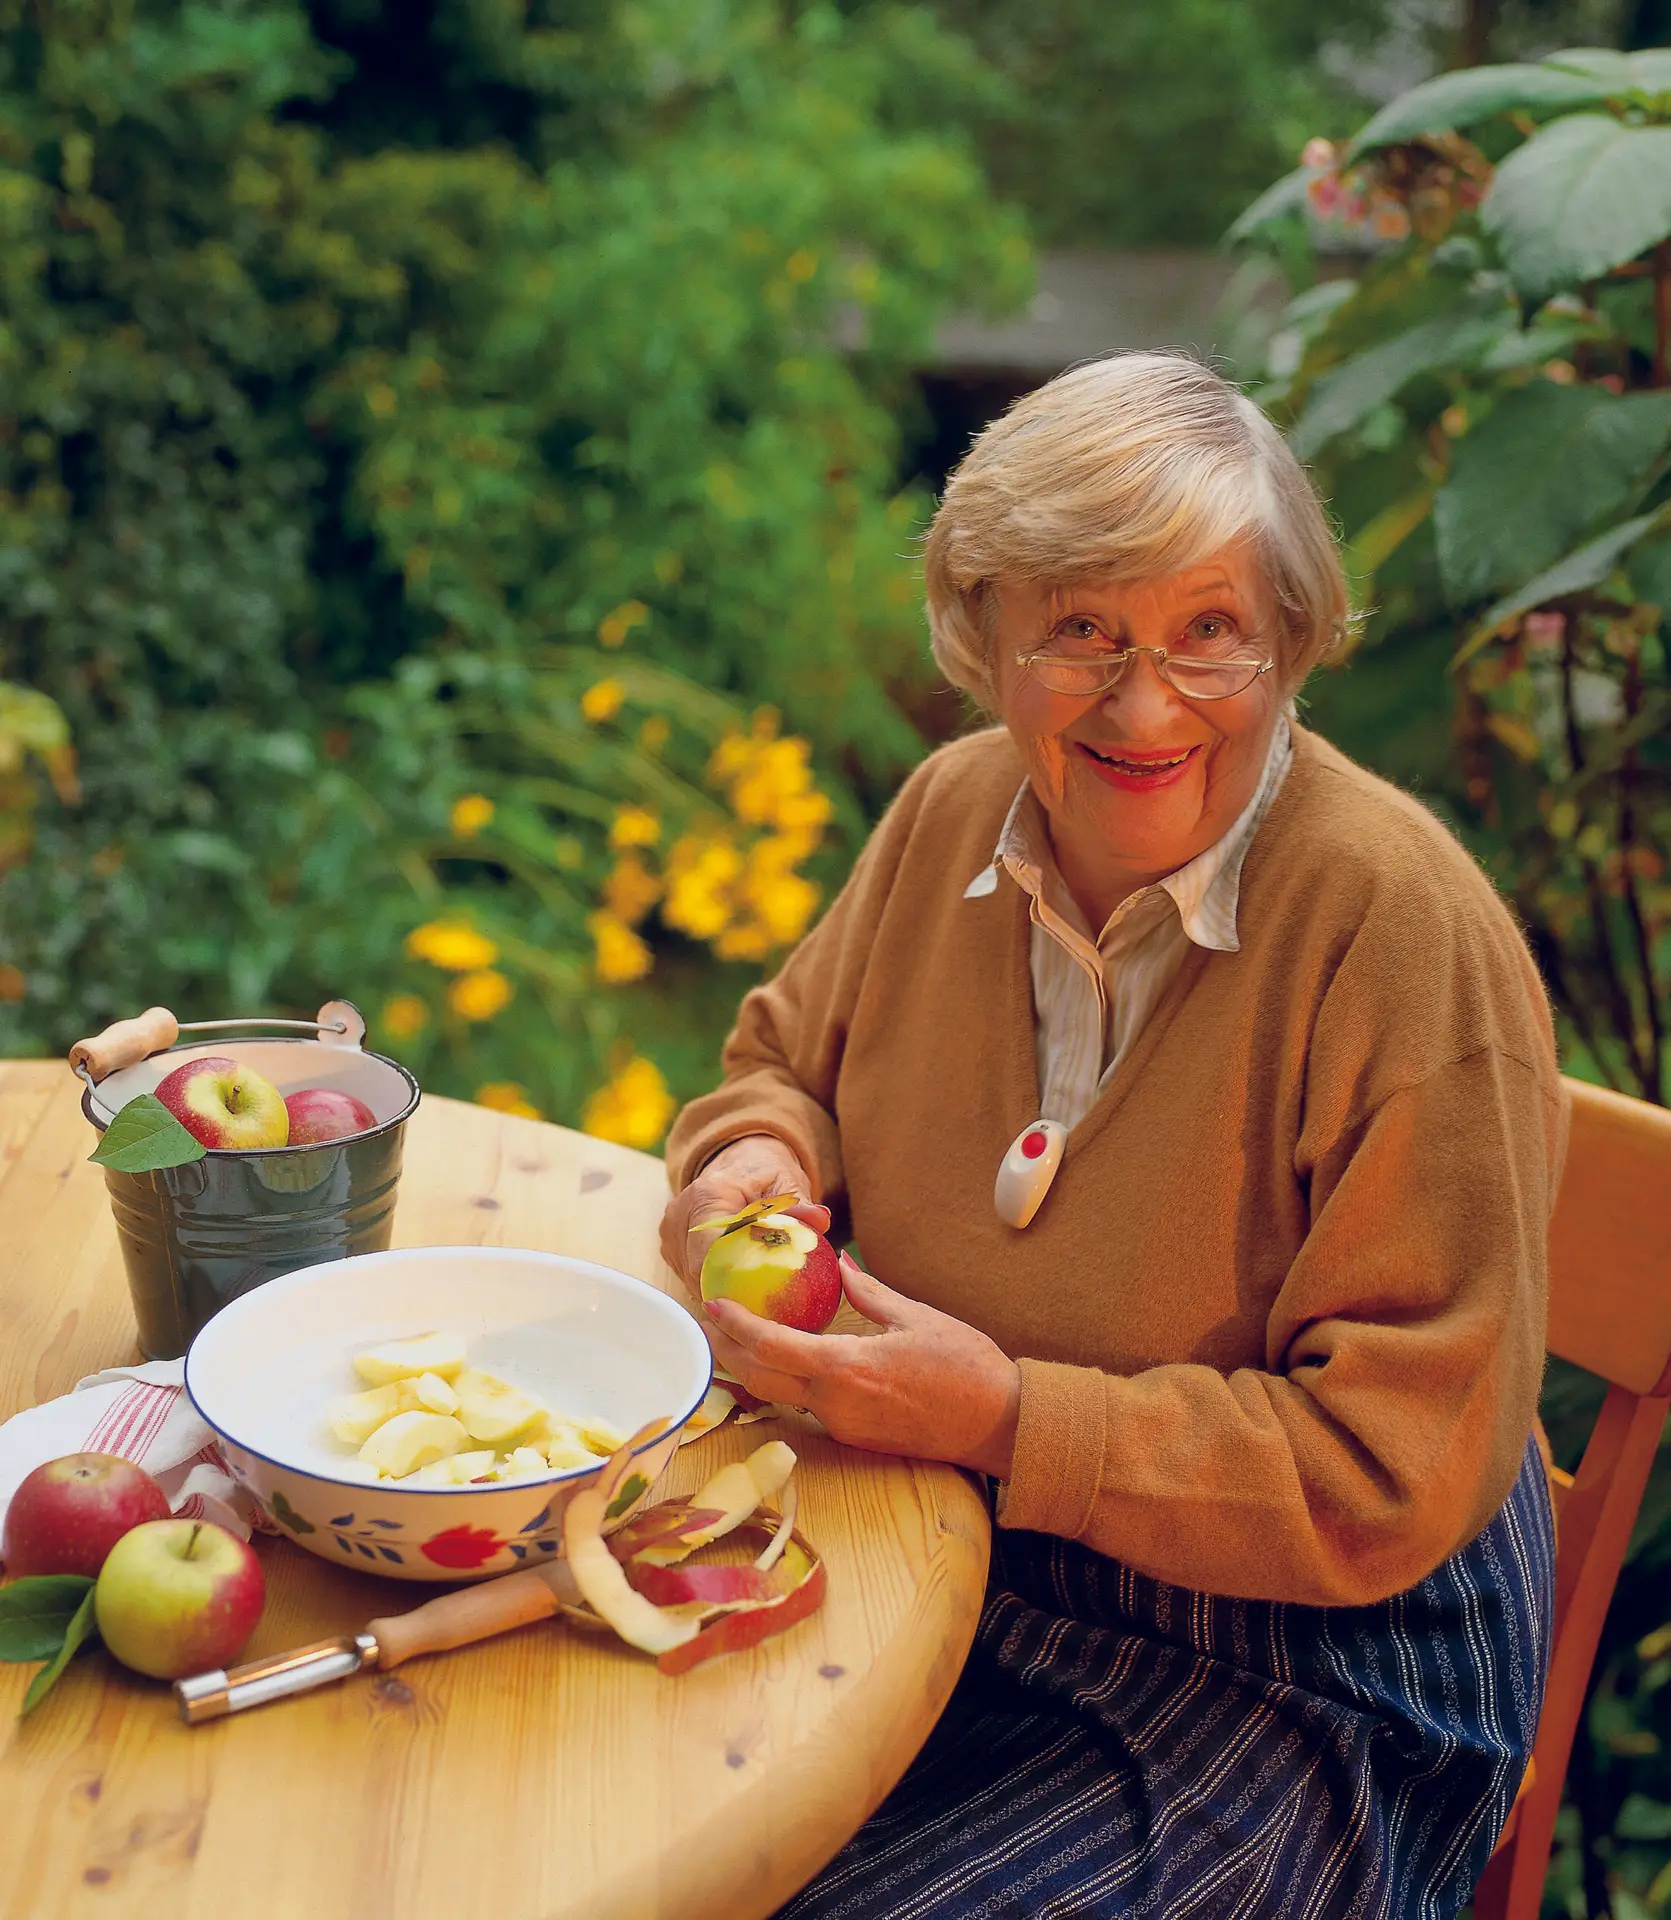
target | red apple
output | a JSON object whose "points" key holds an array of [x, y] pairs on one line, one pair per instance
{"points": [[325, 1113], [67, 1515], [226, 1105], [777, 1267], [178, 1597]]}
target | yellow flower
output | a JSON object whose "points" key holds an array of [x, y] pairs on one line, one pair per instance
{"points": [[751, 941], [505, 1096], [404, 1016], [634, 1108], [780, 772], [654, 734], [803, 809], [700, 873], [13, 986], [634, 827], [568, 852], [784, 903], [452, 945], [801, 265], [480, 995], [631, 890], [602, 701], [471, 813], [614, 627], [621, 954]]}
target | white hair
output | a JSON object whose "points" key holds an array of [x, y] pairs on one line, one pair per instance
{"points": [[1128, 468]]}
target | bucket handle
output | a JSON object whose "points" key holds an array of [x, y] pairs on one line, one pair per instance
{"points": [[126, 1042]]}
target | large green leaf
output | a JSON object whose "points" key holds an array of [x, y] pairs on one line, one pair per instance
{"points": [[1583, 195], [1539, 472], [1463, 99], [1577, 573], [1647, 73], [1349, 393]]}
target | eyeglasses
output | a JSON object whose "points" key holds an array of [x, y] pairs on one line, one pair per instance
{"points": [[1192, 675]]}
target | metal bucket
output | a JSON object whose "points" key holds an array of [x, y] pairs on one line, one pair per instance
{"points": [[196, 1236]]}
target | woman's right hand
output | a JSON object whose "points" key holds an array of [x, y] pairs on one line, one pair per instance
{"points": [[753, 1168]]}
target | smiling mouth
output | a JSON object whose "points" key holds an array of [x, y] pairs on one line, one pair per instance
{"points": [[1159, 763]]}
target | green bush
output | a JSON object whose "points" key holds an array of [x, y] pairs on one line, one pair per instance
{"points": [[1487, 403], [372, 387]]}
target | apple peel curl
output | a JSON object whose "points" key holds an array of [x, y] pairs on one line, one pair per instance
{"points": [[686, 1615], [755, 1210]]}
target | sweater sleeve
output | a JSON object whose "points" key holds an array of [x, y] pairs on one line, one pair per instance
{"points": [[1404, 1352], [782, 1058]]}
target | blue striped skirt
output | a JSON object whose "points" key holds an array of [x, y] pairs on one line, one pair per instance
{"points": [[1118, 1747]]}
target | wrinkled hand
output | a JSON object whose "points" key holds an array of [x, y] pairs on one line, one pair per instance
{"points": [[753, 1168], [927, 1386]]}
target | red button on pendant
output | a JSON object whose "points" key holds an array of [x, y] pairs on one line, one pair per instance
{"points": [[1027, 1169], [1034, 1145]]}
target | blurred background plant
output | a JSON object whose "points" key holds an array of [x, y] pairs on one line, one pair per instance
{"points": [[436, 446], [1486, 400]]}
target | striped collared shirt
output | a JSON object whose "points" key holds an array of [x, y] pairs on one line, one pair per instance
{"points": [[1092, 997]]}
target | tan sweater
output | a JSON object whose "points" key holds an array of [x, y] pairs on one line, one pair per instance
{"points": [[1280, 1320]]}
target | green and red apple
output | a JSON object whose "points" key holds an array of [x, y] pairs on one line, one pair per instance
{"points": [[178, 1597], [67, 1515], [776, 1266], [223, 1104]]}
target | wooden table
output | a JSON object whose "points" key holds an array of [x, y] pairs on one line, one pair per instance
{"points": [[546, 1773]]}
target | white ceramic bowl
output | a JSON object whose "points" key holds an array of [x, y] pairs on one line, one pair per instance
{"points": [[585, 1339]]}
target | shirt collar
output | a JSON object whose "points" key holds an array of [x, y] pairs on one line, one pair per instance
{"points": [[1205, 890]]}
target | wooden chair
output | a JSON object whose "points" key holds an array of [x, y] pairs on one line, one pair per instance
{"points": [[1610, 1313]]}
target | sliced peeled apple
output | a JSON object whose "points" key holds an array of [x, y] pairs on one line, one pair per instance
{"points": [[458, 1470], [523, 1463], [437, 1353], [413, 1440], [492, 1410]]}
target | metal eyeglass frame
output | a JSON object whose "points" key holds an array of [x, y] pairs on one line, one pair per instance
{"points": [[1115, 665]]}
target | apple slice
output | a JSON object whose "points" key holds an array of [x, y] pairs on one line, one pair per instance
{"points": [[437, 1353], [735, 1491], [602, 1436], [492, 1410], [458, 1470], [523, 1463], [412, 1440], [432, 1392], [356, 1417]]}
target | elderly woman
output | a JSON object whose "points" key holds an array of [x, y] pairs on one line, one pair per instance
{"points": [[1195, 1098]]}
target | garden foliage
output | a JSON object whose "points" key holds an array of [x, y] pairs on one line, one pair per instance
{"points": [[1487, 404], [448, 488]]}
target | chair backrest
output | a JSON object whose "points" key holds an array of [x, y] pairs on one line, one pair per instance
{"points": [[1610, 1313]]}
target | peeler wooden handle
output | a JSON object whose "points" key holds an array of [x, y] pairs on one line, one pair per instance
{"points": [[126, 1042], [473, 1613]]}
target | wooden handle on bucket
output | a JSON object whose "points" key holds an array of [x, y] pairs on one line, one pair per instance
{"points": [[126, 1042], [473, 1613]]}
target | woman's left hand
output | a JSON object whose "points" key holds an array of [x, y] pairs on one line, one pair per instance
{"points": [[927, 1386]]}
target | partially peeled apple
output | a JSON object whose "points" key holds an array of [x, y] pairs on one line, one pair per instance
{"points": [[775, 1265]]}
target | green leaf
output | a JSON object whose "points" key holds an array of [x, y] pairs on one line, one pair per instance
{"points": [[144, 1138], [36, 1612], [1583, 195], [1350, 393], [1537, 474], [1287, 196], [1462, 99], [76, 1634], [1577, 573], [1647, 73], [1650, 570], [1374, 544]]}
